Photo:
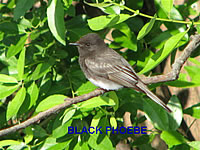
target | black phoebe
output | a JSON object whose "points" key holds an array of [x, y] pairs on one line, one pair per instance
{"points": [[108, 70]]}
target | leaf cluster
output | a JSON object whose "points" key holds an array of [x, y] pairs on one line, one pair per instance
{"points": [[38, 70]]}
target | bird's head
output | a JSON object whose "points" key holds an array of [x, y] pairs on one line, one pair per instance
{"points": [[89, 43]]}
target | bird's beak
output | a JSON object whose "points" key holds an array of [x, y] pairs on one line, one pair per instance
{"points": [[74, 44]]}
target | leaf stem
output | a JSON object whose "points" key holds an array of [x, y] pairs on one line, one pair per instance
{"points": [[160, 19]]}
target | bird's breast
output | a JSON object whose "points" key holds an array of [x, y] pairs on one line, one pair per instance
{"points": [[105, 84]]}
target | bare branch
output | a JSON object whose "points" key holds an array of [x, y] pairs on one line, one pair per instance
{"points": [[173, 75], [68, 102]]}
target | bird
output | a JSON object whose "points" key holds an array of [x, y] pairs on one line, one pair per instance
{"points": [[107, 69]]}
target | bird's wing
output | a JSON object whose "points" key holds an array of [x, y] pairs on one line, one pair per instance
{"points": [[112, 67], [118, 70]]}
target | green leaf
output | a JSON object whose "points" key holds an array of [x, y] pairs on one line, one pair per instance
{"points": [[176, 116], [99, 5], [194, 60], [113, 96], [41, 70], [61, 145], [9, 27], [156, 114], [194, 111], [61, 54], [99, 141], [68, 115], [7, 79], [124, 37], [6, 90], [97, 102], [159, 40], [96, 119], [67, 3], [144, 139], [29, 135], [167, 6], [39, 132], [15, 104], [20, 64], [144, 58], [172, 138], [106, 7], [193, 72], [25, 23], [182, 82], [82, 146], [113, 122], [85, 88], [101, 22], [111, 10], [77, 78], [15, 49], [22, 7], [146, 28], [55, 15], [48, 143], [33, 93], [175, 14], [61, 130], [157, 58], [194, 144], [198, 28], [4, 143], [49, 102], [20, 146]]}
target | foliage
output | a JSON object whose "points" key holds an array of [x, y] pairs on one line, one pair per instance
{"points": [[38, 69]]}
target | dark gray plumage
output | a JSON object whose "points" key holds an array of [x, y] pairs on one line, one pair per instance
{"points": [[105, 68]]}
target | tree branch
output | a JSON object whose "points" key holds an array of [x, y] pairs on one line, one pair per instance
{"points": [[68, 102], [176, 67], [173, 75]]}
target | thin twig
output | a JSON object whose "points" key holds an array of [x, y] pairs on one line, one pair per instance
{"points": [[173, 75]]}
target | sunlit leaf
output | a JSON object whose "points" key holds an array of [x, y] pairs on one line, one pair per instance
{"points": [[68, 115], [4, 143], [124, 36], [194, 144], [172, 138], [96, 119], [113, 122], [163, 53], [167, 5], [49, 102], [29, 135], [15, 104], [55, 15], [101, 22], [33, 92], [15, 49], [104, 143], [20, 64], [176, 116], [7, 79], [6, 90], [146, 28], [194, 111]]}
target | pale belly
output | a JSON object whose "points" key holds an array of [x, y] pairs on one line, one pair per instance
{"points": [[109, 85]]}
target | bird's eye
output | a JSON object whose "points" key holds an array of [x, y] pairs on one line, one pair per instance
{"points": [[87, 44]]}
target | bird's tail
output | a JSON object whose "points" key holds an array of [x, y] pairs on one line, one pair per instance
{"points": [[151, 95]]}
